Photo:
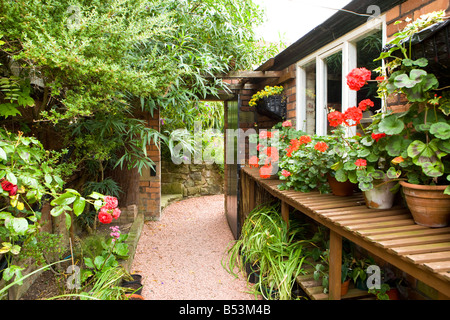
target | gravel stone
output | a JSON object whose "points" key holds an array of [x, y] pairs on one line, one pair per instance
{"points": [[180, 256]]}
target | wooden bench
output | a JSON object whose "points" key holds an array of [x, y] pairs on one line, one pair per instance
{"points": [[392, 235]]}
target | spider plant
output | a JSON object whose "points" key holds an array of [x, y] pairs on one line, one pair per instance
{"points": [[271, 247]]}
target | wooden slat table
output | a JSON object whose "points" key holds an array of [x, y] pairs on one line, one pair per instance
{"points": [[392, 235]]}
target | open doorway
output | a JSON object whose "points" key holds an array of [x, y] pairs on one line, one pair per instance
{"points": [[192, 162]]}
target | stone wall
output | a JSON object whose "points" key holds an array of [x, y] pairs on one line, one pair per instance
{"points": [[191, 179]]}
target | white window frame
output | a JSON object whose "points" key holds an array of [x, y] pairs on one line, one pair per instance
{"points": [[346, 44]]}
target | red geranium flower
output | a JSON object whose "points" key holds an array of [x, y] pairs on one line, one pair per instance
{"points": [[378, 136], [361, 163], [265, 134], [272, 152], [363, 105], [285, 173], [287, 123], [265, 171], [321, 146], [357, 78], [305, 139], [354, 114], [253, 161], [335, 118]]}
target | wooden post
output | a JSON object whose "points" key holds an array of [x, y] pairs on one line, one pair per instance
{"points": [[251, 195], [335, 265], [285, 212]]}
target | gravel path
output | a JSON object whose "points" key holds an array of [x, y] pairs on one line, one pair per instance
{"points": [[180, 256]]}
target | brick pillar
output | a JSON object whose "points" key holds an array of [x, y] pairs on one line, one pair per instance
{"points": [[150, 180]]}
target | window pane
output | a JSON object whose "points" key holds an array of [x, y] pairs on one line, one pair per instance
{"points": [[334, 84], [310, 96], [368, 49]]}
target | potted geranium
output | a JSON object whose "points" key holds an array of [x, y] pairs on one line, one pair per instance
{"points": [[306, 164], [419, 137], [270, 101], [362, 159]]}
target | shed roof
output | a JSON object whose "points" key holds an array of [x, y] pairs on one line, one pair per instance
{"points": [[334, 27]]}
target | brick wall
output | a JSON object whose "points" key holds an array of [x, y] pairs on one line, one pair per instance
{"points": [[150, 182], [412, 9]]}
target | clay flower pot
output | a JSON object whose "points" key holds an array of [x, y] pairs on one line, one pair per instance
{"points": [[429, 205], [344, 287], [380, 197], [341, 189]]}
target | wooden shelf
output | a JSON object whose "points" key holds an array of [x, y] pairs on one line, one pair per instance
{"points": [[314, 289], [391, 234]]}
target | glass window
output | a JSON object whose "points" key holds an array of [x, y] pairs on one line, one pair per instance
{"points": [[334, 84], [368, 49], [310, 97]]}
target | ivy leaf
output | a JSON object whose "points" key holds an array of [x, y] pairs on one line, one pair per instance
{"points": [[391, 125]]}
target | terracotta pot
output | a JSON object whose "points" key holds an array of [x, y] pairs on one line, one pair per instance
{"points": [[135, 296], [380, 197], [341, 189], [344, 287], [429, 206], [393, 294]]}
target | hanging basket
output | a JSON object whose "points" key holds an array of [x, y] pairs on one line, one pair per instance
{"points": [[432, 43], [273, 107]]}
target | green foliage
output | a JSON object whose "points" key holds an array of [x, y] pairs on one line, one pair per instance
{"points": [[420, 135], [100, 256], [43, 248], [97, 64], [272, 248]]}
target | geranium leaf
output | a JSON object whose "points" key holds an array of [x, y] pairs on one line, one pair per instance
{"points": [[440, 130], [396, 145], [391, 125]]}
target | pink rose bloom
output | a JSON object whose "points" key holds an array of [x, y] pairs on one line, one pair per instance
{"points": [[111, 202], [116, 213]]}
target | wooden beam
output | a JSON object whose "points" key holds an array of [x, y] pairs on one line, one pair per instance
{"points": [[251, 74], [266, 65]]}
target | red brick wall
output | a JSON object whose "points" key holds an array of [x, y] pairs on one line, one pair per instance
{"points": [[150, 185], [412, 9]]}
